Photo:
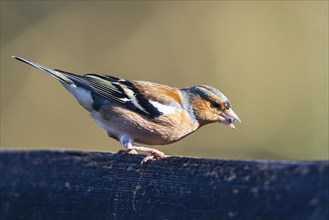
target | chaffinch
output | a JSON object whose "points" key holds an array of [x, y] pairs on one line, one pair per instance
{"points": [[144, 112]]}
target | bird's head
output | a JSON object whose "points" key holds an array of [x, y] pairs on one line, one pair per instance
{"points": [[210, 105]]}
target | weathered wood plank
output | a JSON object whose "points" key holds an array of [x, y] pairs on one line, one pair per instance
{"points": [[89, 185]]}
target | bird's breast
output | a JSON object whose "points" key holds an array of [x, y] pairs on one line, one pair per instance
{"points": [[165, 129]]}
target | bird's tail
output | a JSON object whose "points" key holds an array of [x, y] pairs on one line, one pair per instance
{"points": [[58, 75]]}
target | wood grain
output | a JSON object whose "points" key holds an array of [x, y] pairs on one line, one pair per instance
{"points": [[93, 185]]}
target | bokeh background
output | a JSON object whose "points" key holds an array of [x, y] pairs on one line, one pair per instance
{"points": [[270, 58]]}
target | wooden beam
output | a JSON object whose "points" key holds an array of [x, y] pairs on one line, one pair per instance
{"points": [[92, 185]]}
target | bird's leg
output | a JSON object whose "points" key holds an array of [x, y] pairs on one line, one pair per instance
{"points": [[123, 142], [127, 142], [154, 153]]}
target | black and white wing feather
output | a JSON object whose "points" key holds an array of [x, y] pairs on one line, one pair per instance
{"points": [[117, 90], [105, 89]]}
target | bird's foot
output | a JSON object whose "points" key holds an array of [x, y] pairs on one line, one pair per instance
{"points": [[155, 154], [132, 149]]}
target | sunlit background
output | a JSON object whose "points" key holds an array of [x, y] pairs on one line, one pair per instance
{"points": [[269, 58]]}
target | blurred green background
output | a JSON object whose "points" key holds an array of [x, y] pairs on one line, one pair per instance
{"points": [[269, 58]]}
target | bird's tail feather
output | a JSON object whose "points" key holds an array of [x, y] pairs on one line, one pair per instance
{"points": [[58, 75]]}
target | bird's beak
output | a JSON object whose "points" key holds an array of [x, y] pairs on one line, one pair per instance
{"points": [[228, 118]]}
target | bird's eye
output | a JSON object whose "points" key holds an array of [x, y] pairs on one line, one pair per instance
{"points": [[215, 104], [227, 104]]}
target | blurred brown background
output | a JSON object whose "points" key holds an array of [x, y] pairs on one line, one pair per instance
{"points": [[269, 58]]}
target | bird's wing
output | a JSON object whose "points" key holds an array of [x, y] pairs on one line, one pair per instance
{"points": [[146, 98], [137, 96]]}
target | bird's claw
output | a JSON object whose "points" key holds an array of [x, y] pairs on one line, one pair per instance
{"points": [[155, 154]]}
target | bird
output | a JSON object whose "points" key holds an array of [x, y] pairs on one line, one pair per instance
{"points": [[138, 113]]}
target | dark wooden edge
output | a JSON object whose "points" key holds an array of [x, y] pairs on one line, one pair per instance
{"points": [[94, 185]]}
